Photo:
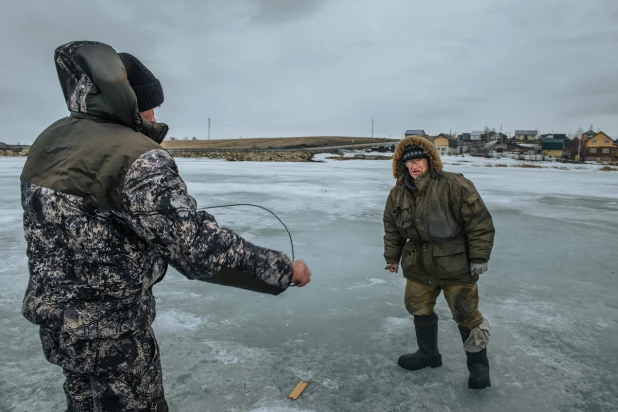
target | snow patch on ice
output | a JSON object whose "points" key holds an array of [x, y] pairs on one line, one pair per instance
{"points": [[180, 295], [302, 374], [372, 281], [232, 352], [393, 325], [172, 321]]}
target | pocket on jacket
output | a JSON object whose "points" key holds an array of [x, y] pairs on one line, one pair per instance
{"points": [[151, 382], [51, 345], [403, 220], [69, 352], [407, 222], [409, 259], [450, 258], [475, 203]]}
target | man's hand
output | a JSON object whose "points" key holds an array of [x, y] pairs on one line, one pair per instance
{"points": [[302, 274], [478, 267], [393, 267]]}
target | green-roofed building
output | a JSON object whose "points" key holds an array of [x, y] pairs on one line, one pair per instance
{"points": [[552, 147]]}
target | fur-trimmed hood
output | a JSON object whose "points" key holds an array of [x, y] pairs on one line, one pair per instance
{"points": [[434, 157]]}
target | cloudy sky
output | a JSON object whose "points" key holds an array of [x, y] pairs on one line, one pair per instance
{"points": [[326, 67]]}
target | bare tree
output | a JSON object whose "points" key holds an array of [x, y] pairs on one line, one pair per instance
{"points": [[486, 134], [574, 145], [579, 132]]}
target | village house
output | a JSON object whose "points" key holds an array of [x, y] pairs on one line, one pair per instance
{"points": [[599, 146], [445, 144], [501, 147], [476, 135], [526, 135], [415, 132], [463, 137], [552, 147], [463, 146], [561, 136]]}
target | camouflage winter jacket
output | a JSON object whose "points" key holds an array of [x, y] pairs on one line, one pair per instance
{"points": [[438, 228], [105, 211]]}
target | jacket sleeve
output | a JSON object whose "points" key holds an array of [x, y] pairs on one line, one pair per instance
{"points": [[393, 241], [157, 206], [477, 221]]}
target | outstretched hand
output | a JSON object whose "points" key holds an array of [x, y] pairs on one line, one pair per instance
{"points": [[301, 273], [392, 267]]}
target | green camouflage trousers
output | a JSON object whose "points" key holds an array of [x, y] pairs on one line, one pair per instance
{"points": [[463, 300], [115, 375]]}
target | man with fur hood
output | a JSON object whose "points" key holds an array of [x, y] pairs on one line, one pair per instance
{"points": [[436, 223], [105, 212]]}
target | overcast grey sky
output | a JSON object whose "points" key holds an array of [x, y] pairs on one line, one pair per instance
{"points": [[326, 67]]}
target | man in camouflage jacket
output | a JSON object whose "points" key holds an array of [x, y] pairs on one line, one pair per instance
{"points": [[436, 223], [105, 212]]}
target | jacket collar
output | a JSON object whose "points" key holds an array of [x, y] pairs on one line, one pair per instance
{"points": [[421, 182], [154, 131]]}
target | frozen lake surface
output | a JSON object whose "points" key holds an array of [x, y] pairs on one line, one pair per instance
{"points": [[549, 296]]}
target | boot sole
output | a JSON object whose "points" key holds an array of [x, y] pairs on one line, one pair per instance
{"points": [[433, 364], [476, 387]]}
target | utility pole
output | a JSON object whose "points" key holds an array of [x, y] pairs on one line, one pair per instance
{"points": [[208, 127], [372, 127]]}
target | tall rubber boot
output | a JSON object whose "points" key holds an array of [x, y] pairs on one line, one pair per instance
{"points": [[478, 364], [427, 355]]}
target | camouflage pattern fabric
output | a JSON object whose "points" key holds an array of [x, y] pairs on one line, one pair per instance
{"points": [[463, 300], [158, 208], [83, 94], [105, 212], [90, 275], [92, 270], [118, 375]]}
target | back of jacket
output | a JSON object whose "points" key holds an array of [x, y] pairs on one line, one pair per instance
{"points": [[105, 210]]}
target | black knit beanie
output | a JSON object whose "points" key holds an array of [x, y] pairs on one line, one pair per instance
{"points": [[146, 87], [413, 152]]}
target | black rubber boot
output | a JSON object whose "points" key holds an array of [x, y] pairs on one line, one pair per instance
{"points": [[427, 354], [478, 365]]}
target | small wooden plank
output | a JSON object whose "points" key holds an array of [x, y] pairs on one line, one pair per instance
{"points": [[298, 390]]}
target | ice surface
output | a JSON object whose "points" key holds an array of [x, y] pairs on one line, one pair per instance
{"points": [[549, 296]]}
